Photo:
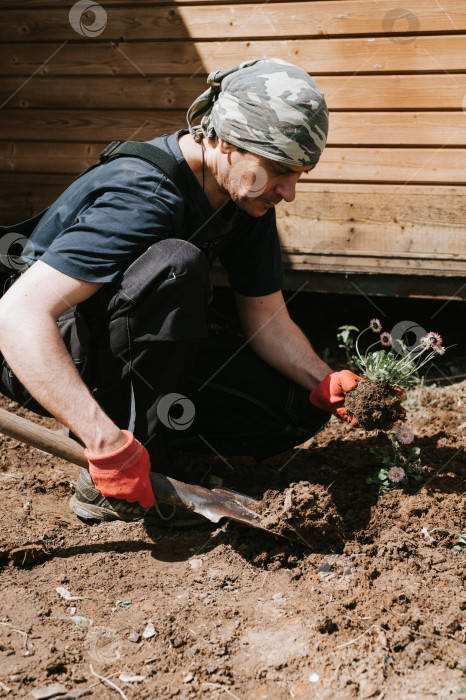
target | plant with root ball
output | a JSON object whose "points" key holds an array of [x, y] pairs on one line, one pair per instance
{"points": [[398, 465], [376, 401]]}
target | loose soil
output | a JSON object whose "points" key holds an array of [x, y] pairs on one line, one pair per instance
{"points": [[365, 606], [375, 405]]}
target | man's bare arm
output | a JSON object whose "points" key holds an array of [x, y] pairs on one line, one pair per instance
{"points": [[31, 344], [274, 336]]}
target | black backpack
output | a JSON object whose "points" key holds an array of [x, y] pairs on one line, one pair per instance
{"points": [[15, 251]]}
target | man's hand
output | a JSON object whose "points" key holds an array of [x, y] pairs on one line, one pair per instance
{"points": [[123, 473], [330, 394]]}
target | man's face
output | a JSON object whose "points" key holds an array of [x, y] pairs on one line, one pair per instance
{"points": [[257, 184]]}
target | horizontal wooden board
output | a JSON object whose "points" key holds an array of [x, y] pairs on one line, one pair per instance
{"points": [[415, 165], [382, 92], [90, 126], [408, 165], [346, 128], [398, 129], [119, 92], [315, 18], [406, 221], [364, 55], [350, 265]]}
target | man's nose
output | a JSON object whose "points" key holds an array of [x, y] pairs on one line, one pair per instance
{"points": [[286, 189]]}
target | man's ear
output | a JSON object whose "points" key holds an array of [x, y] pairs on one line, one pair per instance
{"points": [[226, 147]]}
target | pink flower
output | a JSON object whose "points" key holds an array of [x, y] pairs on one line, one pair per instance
{"points": [[396, 474], [386, 339], [439, 349], [430, 340], [425, 342], [434, 338], [375, 325], [405, 436]]}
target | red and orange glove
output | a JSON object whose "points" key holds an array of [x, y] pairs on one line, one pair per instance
{"points": [[123, 473], [330, 394]]}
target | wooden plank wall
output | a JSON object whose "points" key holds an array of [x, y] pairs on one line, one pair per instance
{"points": [[388, 194]]}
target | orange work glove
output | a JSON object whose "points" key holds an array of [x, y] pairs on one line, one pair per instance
{"points": [[123, 473], [330, 394]]}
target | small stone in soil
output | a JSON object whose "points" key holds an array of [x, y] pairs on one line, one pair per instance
{"points": [[149, 632], [51, 691]]}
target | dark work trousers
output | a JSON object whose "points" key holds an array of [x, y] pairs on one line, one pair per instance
{"points": [[142, 347]]}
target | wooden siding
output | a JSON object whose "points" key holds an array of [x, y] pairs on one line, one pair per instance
{"points": [[388, 196]]}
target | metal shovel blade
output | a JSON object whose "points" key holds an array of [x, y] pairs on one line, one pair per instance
{"points": [[213, 505]]}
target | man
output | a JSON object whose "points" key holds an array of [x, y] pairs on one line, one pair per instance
{"points": [[107, 328]]}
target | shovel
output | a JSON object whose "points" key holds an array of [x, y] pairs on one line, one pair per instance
{"points": [[213, 504]]}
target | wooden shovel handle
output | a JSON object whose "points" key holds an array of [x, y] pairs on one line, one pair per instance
{"points": [[44, 439]]}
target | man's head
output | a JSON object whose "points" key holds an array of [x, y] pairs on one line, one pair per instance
{"points": [[273, 111], [268, 107]]}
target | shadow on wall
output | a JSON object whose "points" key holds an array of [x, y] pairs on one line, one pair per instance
{"points": [[80, 77]]}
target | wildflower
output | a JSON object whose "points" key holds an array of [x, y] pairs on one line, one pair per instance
{"points": [[375, 325], [405, 436], [435, 338], [386, 339], [439, 349], [425, 342], [396, 474]]}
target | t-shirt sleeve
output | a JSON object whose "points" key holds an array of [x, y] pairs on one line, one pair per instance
{"points": [[252, 257], [109, 234]]}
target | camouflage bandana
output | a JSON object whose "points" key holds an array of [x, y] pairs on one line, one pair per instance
{"points": [[268, 107]]}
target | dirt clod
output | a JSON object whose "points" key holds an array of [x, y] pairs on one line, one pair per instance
{"points": [[304, 512], [28, 554], [375, 405]]}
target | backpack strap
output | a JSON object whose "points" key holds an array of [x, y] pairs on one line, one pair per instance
{"points": [[160, 159]]}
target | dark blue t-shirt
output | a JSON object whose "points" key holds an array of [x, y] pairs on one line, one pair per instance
{"points": [[108, 217]]}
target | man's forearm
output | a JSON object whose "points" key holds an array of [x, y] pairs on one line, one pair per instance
{"points": [[35, 352], [283, 345]]}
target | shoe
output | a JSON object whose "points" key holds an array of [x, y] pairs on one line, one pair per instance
{"points": [[89, 505]]}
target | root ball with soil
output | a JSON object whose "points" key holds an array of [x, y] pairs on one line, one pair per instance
{"points": [[376, 405]]}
